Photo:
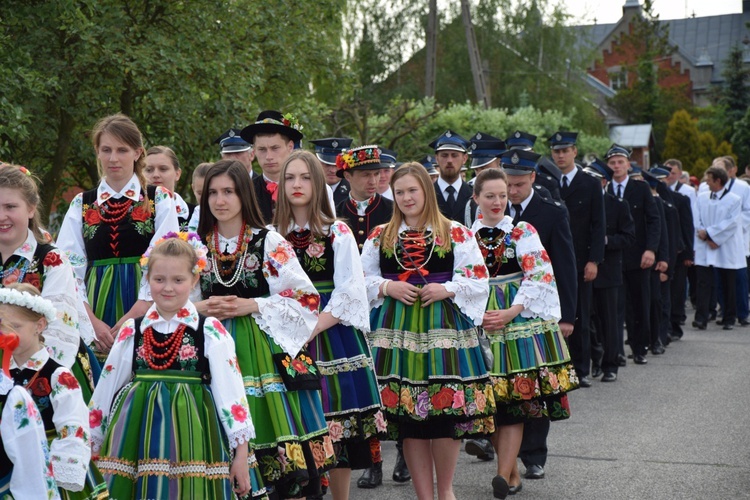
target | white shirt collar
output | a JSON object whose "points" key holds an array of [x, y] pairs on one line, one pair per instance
{"points": [[624, 184], [28, 248], [35, 362], [187, 315], [505, 224], [443, 185], [132, 190], [570, 175]]}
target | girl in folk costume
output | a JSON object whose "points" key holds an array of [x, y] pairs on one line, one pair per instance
{"points": [[255, 282], [328, 253], [28, 257], [108, 228], [532, 372], [163, 169], [55, 391], [427, 283], [25, 466], [170, 414]]}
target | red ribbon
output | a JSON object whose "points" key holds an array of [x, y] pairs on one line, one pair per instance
{"points": [[272, 188], [8, 343], [407, 274]]}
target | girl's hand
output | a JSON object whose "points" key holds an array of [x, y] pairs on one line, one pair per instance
{"points": [[239, 474], [433, 292], [403, 292], [104, 338]]}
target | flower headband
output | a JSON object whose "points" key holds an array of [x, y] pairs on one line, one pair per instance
{"points": [[36, 303], [362, 155], [287, 120], [191, 238]]}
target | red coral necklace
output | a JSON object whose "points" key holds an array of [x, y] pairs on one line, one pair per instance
{"points": [[169, 349], [113, 214]]}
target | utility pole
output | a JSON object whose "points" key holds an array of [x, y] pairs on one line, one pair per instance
{"points": [[431, 48], [476, 65]]}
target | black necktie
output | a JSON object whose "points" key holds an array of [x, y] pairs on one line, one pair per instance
{"points": [[619, 191], [451, 196], [517, 217], [713, 196], [565, 182]]}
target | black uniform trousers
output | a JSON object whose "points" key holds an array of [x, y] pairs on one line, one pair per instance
{"points": [[580, 341], [638, 303], [534, 444], [606, 346], [678, 290], [655, 311], [705, 281]]}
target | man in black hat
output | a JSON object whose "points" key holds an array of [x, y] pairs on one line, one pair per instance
{"points": [[234, 147], [327, 150], [485, 153], [640, 257], [583, 198], [453, 194], [388, 158], [364, 208], [273, 136], [620, 235], [547, 176]]}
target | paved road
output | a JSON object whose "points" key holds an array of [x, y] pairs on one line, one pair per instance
{"points": [[676, 428]]}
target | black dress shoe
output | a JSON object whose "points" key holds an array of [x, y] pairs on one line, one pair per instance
{"points": [[512, 490], [640, 359], [609, 377], [712, 316], [480, 448], [621, 360], [674, 338], [500, 487], [534, 472], [372, 477], [720, 322], [728, 327], [699, 326], [657, 349], [596, 372], [743, 322], [401, 472], [584, 382]]}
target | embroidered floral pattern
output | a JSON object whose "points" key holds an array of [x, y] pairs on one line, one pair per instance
{"points": [[237, 413], [420, 403], [141, 214]]}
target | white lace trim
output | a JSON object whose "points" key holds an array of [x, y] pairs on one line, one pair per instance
{"points": [[282, 320], [69, 476], [468, 301], [345, 365], [424, 342], [350, 310], [241, 436], [538, 300], [157, 467]]}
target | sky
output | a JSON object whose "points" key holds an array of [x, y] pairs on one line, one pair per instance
{"points": [[610, 11]]}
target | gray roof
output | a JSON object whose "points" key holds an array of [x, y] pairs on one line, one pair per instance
{"points": [[702, 40], [632, 136]]}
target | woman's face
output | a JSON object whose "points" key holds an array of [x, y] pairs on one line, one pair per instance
{"points": [[160, 171], [117, 159], [493, 199], [223, 200], [409, 196], [298, 184], [198, 188], [14, 219]]}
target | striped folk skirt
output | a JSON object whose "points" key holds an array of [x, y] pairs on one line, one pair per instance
{"points": [[350, 396], [292, 444], [532, 371], [432, 377], [165, 440]]}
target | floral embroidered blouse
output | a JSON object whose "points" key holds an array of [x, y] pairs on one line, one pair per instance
{"points": [[288, 312], [348, 302], [70, 451], [469, 280], [226, 384], [538, 291], [71, 237], [57, 284], [25, 444]]}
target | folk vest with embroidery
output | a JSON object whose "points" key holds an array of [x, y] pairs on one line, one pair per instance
{"points": [[20, 270], [40, 388], [191, 354], [316, 258], [251, 285]]}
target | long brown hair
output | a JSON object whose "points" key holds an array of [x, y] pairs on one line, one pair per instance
{"points": [[236, 171], [125, 130], [319, 212], [13, 177], [431, 216]]}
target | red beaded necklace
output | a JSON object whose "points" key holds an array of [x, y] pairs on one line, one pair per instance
{"points": [[300, 242], [170, 348], [113, 214], [242, 242]]}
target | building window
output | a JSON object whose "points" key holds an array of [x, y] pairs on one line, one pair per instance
{"points": [[618, 79]]}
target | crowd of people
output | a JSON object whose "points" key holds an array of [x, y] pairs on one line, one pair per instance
{"points": [[262, 342]]}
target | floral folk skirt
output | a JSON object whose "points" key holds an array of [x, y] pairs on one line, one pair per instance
{"points": [[532, 371], [432, 377]]}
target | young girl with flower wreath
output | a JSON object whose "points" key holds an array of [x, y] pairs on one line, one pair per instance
{"points": [[328, 253], [532, 371], [25, 466], [108, 228], [255, 283], [27, 256], [427, 285], [169, 413], [55, 391]]}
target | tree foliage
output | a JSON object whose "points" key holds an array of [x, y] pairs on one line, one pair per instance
{"points": [[694, 147]]}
